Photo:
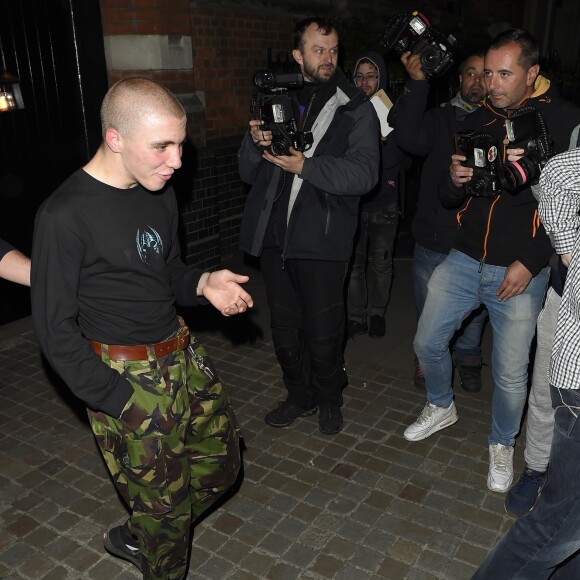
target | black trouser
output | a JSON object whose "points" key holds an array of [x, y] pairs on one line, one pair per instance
{"points": [[307, 312]]}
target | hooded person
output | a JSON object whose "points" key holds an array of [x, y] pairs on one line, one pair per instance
{"points": [[368, 293]]}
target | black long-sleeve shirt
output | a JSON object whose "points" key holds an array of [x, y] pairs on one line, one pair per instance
{"points": [[106, 266]]}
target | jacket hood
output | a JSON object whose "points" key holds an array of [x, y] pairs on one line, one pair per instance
{"points": [[541, 86], [379, 62]]}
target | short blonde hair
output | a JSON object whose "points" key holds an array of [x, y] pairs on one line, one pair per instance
{"points": [[134, 98]]}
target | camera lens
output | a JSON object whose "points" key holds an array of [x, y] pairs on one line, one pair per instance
{"points": [[264, 80], [517, 173], [430, 58], [279, 148]]}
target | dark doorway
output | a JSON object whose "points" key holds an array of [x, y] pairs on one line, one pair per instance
{"points": [[56, 49]]}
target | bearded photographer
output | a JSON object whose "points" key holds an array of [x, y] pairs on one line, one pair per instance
{"points": [[499, 258], [301, 217], [429, 133]]}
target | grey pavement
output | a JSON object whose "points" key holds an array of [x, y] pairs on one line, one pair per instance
{"points": [[362, 504]]}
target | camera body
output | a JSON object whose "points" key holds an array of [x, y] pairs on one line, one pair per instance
{"points": [[413, 32], [273, 106], [480, 150], [526, 130]]}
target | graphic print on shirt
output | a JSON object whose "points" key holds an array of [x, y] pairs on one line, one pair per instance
{"points": [[149, 245]]}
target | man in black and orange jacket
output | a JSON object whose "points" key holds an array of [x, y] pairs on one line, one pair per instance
{"points": [[500, 253]]}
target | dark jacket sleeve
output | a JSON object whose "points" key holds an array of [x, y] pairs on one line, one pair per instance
{"points": [[415, 128], [536, 253], [450, 196], [357, 172], [57, 255], [250, 160], [392, 158]]}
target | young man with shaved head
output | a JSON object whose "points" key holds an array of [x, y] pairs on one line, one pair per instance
{"points": [[106, 276]]}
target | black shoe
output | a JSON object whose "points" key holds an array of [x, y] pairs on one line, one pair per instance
{"points": [[286, 413], [470, 377], [524, 495], [377, 327], [330, 420], [418, 378], [120, 544], [355, 328]]}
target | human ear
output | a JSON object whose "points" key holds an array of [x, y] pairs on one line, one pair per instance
{"points": [[113, 140], [533, 73], [297, 56]]}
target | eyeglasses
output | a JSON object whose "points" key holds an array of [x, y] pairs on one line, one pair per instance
{"points": [[369, 78]]}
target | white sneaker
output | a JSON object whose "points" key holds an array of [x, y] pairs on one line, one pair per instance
{"points": [[501, 467], [431, 420]]}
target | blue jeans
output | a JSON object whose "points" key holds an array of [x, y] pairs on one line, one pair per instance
{"points": [[457, 287], [466, 344], [375, 240], [538, 543]]}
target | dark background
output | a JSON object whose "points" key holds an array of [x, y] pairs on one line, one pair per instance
{"points": [[56, 48]]}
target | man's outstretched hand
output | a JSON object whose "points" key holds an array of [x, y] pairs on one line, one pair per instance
{"points": [[222, 289]]}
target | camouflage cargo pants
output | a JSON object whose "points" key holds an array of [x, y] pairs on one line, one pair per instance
{"points": [[182, 456]]}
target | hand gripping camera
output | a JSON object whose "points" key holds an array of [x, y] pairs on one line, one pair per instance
{"points": [[414, 32], [273, 106], [480, 150], [525, 130]]}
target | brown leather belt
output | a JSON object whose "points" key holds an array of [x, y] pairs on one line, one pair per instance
{"points": [[139, 351]]}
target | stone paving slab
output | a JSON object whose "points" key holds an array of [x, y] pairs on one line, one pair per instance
{"points": [[364, 504]]}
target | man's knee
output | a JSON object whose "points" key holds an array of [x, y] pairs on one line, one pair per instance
{"points": [[288, 348]]}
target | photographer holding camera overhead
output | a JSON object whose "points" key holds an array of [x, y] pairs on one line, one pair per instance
{"points": [[501, 250], [429, 133], [301, 216]]}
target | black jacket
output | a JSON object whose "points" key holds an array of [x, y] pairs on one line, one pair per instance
{"points": [[343, 167], [504, 228], [429, 134]]}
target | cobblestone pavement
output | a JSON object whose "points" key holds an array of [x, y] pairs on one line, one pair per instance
{"points": [[362, 504]]}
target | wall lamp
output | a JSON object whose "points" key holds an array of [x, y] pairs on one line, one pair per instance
{"points": [[10, 95]]}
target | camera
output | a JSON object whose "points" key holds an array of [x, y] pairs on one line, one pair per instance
{"points": [[273, 105], [480, 150], [414, 32], [526, 130]]}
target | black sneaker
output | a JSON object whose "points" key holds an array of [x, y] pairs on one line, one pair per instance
{"points": [[524, 495], [122, 545], [377, 327], [330, 420], [418, 378], [286, 413], [470, 377], [355, 328]]}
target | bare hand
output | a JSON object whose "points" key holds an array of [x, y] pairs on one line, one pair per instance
{"points": [[258, 136], [566, 258], [223, 290], [292, 163], [459, 173], [515, 154], [412, 64], [516, 280]]}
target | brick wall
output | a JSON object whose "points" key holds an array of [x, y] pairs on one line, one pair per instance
{"points": [[229, 46]]}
